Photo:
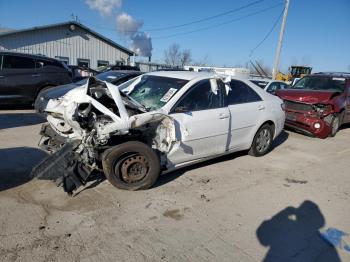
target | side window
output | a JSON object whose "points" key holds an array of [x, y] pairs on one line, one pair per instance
{"points": [[283, 86], [241, 93], [41, 63], [17, 62], [273, 87], [200, 97]]}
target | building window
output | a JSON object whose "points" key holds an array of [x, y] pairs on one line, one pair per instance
{"points": [[83, 62], [63, 59], [102, 63], [119, 63]]}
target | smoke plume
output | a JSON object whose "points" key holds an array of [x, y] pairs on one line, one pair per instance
{"points": [[105, 7], [141, 42], [130, 27]]}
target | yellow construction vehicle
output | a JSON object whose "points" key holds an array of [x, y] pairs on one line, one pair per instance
{"points": [[294, 72]]}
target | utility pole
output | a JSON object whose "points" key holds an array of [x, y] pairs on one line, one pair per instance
{"points": [[280, 39]]}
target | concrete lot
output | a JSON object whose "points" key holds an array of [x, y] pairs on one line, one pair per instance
{"points": [[210, 212]]}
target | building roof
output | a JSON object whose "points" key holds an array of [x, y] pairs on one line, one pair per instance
{"points": [[75, 23]]}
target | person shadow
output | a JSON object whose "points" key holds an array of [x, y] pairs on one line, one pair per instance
{"points": [[293, 235]]}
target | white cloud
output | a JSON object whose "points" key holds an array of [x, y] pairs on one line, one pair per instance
{"points": [[105, 7], [127, 25]]}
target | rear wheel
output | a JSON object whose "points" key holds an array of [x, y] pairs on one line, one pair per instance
{"points": [[131, 166], [262, 141]]}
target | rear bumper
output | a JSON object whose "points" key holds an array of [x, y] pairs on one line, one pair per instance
{"points": [[308, 124]]}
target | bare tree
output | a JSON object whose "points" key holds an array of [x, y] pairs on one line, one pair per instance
{"points": [[176, 57], [186, 57], [202, 62], [172, 55]]}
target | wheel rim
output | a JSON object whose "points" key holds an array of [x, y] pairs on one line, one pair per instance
{"points": [[263, 140], [132, 168], [335, 125]]}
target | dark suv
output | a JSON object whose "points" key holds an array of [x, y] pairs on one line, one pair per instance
{"points": [[23, 76]]}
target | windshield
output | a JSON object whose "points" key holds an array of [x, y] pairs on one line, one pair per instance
{"points": [[109, 76], [321, 83], [259, 83], [154, 91]]}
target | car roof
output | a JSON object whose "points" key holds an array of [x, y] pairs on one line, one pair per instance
{"points": [[123, 72], [186, 75], [333, 74], [261, 79], [38, 56]]}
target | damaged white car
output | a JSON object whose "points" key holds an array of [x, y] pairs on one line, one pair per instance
{"points": [[151, 124]]}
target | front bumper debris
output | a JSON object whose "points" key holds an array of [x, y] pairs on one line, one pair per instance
{"points": [[64, 167], [308, 124]]}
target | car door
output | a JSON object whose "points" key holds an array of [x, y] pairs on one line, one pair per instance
{"points": [[246, 109], [201, 122], [19, 78]]}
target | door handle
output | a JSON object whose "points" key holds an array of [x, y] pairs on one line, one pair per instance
{"points": [[35, 75], [2, 76], [223, 116], [261, 107]]}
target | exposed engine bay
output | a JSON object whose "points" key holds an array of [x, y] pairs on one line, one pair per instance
{"points": [[86, 122]]}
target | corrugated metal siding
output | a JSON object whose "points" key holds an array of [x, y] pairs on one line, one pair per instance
{"points": [[60, 41]]}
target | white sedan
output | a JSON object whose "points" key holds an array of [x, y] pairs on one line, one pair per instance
{"points": [[154, 123], [269, 85]]}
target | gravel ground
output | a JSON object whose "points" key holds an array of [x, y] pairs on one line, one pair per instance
{"points": [[234, 208]]}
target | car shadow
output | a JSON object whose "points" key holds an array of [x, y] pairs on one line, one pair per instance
{"points": [[283, 136], [293, 235], [168, 177], [16, 165], [344, 126], [12, 120]]}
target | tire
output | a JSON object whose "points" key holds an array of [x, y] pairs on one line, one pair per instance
{"points": [[262, 141], [335, 124], [131, 166]]}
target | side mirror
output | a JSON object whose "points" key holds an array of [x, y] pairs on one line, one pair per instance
{"points": [[181, 109]]}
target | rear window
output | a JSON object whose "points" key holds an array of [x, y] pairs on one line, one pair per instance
{"points": [[17, 62]]}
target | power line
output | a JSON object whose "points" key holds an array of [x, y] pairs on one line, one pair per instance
{"points": [[267, 35], [189, 23], [220, 24], [208, 18]]}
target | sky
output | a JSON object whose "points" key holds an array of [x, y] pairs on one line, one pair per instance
{"points": [[317, 31]]}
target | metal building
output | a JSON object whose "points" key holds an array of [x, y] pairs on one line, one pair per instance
{"points": [[70, 42]]}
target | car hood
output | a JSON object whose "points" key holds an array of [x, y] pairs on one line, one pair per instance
{"points": [[307, 96], [59, 91]]}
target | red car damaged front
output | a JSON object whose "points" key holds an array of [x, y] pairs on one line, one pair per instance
{"points": [[316, 104]]}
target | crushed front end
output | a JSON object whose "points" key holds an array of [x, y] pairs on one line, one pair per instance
{"points": [[86, 122], [313, 119]]}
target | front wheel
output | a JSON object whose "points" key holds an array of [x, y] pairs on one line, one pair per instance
{"points": [[335, 124], [132, 165], [262, 141]]}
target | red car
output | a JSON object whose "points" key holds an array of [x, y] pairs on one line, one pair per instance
{"points": [[318, 104]]}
